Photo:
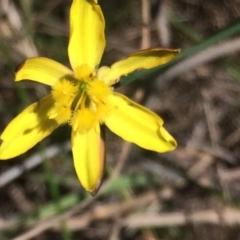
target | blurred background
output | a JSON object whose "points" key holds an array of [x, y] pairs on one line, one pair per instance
{"points": [[190, 193]]}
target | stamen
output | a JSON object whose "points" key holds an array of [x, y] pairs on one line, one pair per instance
{"points": [[103, 111], [98, 91], [61, 114], [87, 96], [64, 91], [83, 120]]}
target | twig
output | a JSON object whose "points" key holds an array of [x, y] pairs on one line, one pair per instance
{"points": [[212, 118], [162, 25], [146, 36], [116, 209], [227, 217]]}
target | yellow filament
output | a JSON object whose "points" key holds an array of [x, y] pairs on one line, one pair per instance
{"points": [[98, 91], [80, 102]]}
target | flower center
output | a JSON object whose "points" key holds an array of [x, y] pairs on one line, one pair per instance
{"points": [[81, 100]]}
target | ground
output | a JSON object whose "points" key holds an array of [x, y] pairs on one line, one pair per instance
{"points": [[190, 193]]}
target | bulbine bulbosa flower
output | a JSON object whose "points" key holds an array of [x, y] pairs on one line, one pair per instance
{"points": [[83, 98]]}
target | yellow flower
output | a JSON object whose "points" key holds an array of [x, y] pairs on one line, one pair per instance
{"points": [[83, 98]]}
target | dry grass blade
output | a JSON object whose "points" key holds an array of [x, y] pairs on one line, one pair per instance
{"points": [[228, 217], [12, 29], [223, 49]]}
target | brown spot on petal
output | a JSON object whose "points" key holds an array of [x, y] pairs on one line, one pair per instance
{"points": [[157, 50], [102, 159], [20, 66], [97, 187]]}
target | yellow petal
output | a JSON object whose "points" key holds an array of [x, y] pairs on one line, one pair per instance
{"points": [[87, 40], [27, 129], [40, 69], [88, 154], [145, 59], [139, 125]]}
